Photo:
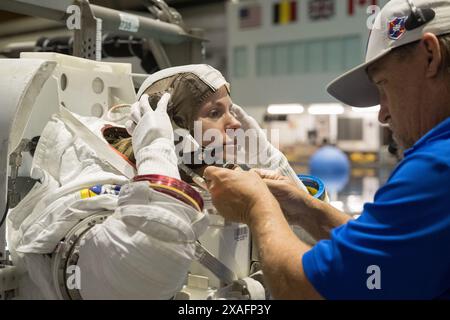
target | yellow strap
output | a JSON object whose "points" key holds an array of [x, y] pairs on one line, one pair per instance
{"points": [[86, 193]]}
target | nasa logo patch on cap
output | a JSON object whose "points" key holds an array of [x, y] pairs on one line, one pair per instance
{"points": [[399, 23], [397, 28]]}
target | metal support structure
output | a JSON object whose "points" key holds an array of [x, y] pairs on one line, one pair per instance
{"points": [[3, 256], [198, 47], [112, 20], [18, 92], [88, 39], [9, 281], [187, 53], [160, 54]]}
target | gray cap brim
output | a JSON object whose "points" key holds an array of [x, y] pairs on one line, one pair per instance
{"points": [[354, 87]]}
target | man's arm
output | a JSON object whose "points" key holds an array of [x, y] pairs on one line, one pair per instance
{"points": [[318, 218], [244, 197], [281, 253]]}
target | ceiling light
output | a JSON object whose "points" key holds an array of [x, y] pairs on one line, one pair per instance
{"points": [[374, 109], [285, 109], [326, 109]]}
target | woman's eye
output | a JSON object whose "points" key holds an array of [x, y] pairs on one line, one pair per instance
{"points": [[214, 114]]}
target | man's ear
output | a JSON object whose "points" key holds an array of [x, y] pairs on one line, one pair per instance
{"points": [[432, 48]]}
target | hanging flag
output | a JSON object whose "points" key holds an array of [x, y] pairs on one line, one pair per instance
{"points": [[285, 12], [250, 16], [352, 3], [321, 9]]}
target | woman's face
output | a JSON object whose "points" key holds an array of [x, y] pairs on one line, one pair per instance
{"points": [[216, 118]]}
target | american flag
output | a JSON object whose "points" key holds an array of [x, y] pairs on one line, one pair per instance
{"points": [[321, 9], [250, 16]]}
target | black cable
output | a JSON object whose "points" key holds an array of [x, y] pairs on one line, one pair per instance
{"points": [[5, 213]]}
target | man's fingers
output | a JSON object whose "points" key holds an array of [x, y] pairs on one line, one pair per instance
{"points": [[278, 187], [163, 102], [210, 173], [273, 183], [268, 174]]}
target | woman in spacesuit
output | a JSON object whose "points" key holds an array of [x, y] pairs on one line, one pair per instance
{"points": [[90, 231], [201, 100], [192, 101]]}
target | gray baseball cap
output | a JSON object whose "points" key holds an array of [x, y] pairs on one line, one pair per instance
{"points": [[400, 22]]}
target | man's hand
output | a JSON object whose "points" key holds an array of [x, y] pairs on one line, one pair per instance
{"points": [[244, 197], [236, 194], [290, 197], [301, 209]]}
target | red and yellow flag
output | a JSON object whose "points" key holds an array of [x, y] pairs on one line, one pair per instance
{"points": [[285, 12]]}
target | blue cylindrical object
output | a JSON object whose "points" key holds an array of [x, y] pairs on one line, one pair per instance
{"points": [[314, 185], [332, 166]]}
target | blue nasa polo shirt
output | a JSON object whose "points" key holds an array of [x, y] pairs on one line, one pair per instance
{"points": [[400, 246]]}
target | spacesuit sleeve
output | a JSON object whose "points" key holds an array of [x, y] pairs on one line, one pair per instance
{"points": [[143, 251]]}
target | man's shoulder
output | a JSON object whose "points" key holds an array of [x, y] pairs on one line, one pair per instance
{"points": [[435, 144], [431, 158], [423, 176]]}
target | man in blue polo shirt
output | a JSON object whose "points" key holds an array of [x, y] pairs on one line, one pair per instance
{"points": [[399, 248]]}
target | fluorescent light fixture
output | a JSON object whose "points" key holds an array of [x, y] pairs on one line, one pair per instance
{"points": [[285, 109], [326, 108], [374, 109]]}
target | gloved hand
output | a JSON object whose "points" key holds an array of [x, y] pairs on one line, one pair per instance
{"points": [[264, 155], [152, 138], [147, 125]]}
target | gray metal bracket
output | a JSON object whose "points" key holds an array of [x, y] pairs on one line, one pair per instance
{"points": [[88, 39]]}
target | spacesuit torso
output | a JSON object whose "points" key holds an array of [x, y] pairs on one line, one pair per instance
{"points": [[142, 250]]}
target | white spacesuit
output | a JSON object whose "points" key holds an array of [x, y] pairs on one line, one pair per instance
{"points": [[146, 242], [128, 256]]}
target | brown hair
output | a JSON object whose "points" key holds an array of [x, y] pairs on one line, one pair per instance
{"points": [[120, 140], [404, 52]]}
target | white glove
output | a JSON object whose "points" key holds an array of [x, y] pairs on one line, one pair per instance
{"points": [[264, 155], [147, 125], [152, 137]]}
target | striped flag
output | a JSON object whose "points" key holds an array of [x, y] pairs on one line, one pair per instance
{"points": [[321, 9], [250, 16], [366, 3], [285, 12]]}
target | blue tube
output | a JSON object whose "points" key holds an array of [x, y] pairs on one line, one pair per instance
{"points": [[314, 183]]}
